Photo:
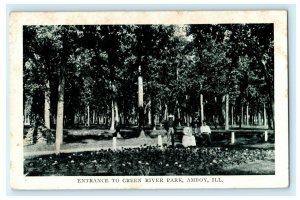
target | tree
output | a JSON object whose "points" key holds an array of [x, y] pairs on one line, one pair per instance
{"points": [[231, 58], [187, 70], [39, 54]]}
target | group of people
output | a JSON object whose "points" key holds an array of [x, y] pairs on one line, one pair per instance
{"points": [[192, 136]]}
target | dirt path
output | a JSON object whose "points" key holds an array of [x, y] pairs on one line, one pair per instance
{"points": [[88, 145], [94, 145]]}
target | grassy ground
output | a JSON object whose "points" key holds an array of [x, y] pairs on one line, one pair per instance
{"points": [[86, 139], [258, 167], [93, 140], [88, 144]]}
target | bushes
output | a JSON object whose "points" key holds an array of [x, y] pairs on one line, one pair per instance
{"points": [[146, 160]]}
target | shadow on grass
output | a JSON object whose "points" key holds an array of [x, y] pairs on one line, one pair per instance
{"points": [[83, 138], [106, 135]]}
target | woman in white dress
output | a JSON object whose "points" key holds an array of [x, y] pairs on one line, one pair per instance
{"points": [[188, 139]]}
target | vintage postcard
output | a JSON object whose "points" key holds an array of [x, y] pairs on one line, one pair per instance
{"points": [[148, 100]]}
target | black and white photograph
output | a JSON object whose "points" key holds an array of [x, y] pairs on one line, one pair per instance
{"points": [[151, 104]]}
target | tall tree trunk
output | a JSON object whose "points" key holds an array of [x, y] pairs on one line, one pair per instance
{"points": [[232, 118], [82, 121], [94, 117], [76, 119], [88, 121], [150, 114], [27, 113], [242, 117], [54, 119], [112, 126], [247, 115], [61, 96], [60, 110], [226, 112], [25, 116], [122, 118], [222, 111], [100, 119], [257, 114], [141, 103], [160, 114], [201, 108], [178, 115], [166, 112], [47, 105], [215, 113], [265, 117], [270, 114], [187, 111], [270, 84], [153, 113], [117, 117]]}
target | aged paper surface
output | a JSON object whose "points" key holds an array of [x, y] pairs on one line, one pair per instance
{"points": [[19, 19]]}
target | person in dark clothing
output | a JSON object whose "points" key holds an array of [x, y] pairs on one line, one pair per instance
{"points": [[171, 130], [206, 132]]}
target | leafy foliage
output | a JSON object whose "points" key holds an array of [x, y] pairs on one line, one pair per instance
{"points": [[178, 64]]}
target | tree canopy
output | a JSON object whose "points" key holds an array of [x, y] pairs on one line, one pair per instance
{"points": [[99, 66]]}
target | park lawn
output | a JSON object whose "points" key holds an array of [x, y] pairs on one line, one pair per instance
{"points": [[88, 144], [257, 167], [91, 140]]}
